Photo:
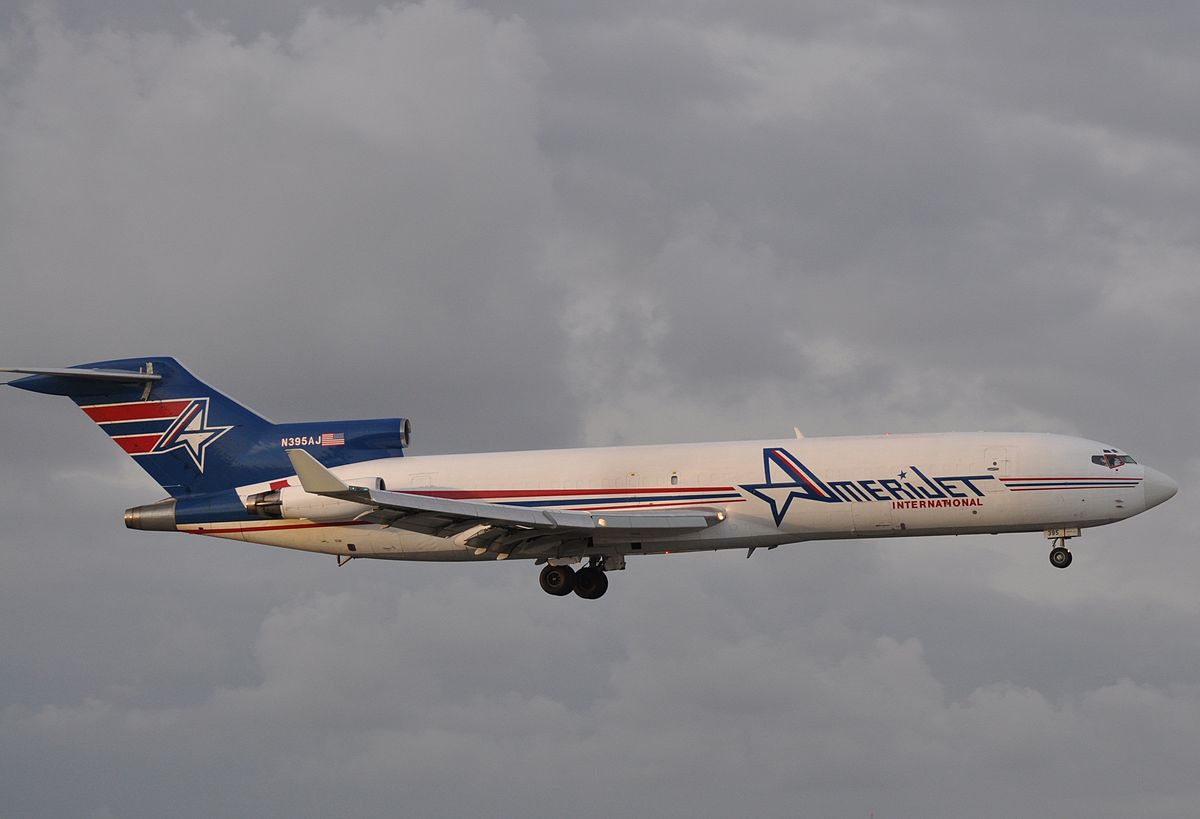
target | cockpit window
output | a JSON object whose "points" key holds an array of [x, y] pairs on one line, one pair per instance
{"points": [[1112, 460]]}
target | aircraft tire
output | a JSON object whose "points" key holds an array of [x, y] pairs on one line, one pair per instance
{"points": [[557, 580], [591, 583], [1060, 557]]}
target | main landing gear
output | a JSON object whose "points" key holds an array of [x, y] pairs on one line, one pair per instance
{"points": [[590, 582], [557, 580]]}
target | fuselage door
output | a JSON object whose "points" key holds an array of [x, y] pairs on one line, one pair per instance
{"points": [[873, 517], [997, 460]]}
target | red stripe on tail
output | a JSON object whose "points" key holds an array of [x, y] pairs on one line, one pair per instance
{"points": [[140, 411], [137, 444]]}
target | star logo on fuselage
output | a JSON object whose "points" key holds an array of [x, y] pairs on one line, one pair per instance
{"points": [[191, 433], [784, 480]]}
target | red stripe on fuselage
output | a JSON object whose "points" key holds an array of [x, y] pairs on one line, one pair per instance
{"points": [[653, 505], [1092, 478], [472, 494], [140, 411], [1065, 488]]}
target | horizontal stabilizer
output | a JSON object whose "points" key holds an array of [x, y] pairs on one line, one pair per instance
{"points": [[121, 376]]}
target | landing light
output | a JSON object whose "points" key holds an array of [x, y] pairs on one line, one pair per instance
{"points": [[601, 522]]}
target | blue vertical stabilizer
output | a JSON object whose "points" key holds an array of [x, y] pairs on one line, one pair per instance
{"points": [[193, 439]]}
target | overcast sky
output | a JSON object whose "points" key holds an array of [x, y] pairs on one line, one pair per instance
{"points": [[529, 224]]}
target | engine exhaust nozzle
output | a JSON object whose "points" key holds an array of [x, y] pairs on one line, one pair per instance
{"points": [[156, 517]]}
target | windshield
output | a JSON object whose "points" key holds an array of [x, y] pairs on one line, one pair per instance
{"points": [[1112, 460]]}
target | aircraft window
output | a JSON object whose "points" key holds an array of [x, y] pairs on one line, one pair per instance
{"points": [[1112, 460]]}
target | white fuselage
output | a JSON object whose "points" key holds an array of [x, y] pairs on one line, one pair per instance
{"points": [[773, 492]]}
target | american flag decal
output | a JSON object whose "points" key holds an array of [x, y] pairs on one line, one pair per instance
{"points": [[333, 439]]}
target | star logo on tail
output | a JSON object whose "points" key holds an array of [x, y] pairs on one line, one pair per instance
{"points": [[191, 433]]}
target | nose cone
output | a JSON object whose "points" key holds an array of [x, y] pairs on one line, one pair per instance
{"points": [[1159, 487]]}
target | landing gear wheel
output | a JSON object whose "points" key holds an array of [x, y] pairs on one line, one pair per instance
{"points": [[1060, 557], [591, 583], [557, 580]]}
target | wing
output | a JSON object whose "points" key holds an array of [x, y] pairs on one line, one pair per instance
{"points": [[498, 528]]}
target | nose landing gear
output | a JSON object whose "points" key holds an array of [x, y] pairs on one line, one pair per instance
{"points": [[1060, 555]]}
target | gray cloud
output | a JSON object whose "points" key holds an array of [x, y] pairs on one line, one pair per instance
{"points": [[538, 225]]}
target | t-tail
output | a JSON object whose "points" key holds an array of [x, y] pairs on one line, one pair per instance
{"points": [[196, 441]]}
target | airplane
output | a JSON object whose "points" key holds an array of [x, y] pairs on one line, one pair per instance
{"points": [[348, 488]]}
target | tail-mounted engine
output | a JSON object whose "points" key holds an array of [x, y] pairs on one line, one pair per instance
{"points": [[293, 502]]}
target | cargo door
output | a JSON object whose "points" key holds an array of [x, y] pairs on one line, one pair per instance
{"points": [[997, 461], [873, 517]]}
